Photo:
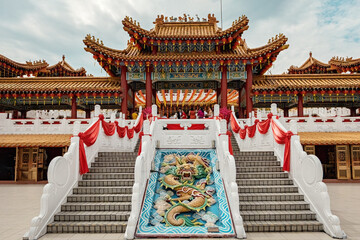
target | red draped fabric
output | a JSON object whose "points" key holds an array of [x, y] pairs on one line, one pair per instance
{"points": [[264, 126], [130, 132], [282, 137], [174, 127], [109, 128], [234, 124], [138, 127], [140, 137], [89, 138], [252, 129], [242, 132], [120, 130], [230, 145]]}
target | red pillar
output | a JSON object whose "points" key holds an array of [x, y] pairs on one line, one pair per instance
{"points": [[133, 100], [223, 103], [87, 113], [286, 112], [148, 88], [124, 88], [73, 108], [248, 88], [217, 95], [300, 108], [23, 114], [352, 112], [15, 114]]}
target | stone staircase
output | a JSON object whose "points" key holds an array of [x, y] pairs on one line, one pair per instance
{"points": [[269, 200], [102, 201]]}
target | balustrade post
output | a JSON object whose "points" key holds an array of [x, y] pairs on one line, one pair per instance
{"points": [[154, 110], [274, 109], [216, 110], [97, 110], [293, 127]]}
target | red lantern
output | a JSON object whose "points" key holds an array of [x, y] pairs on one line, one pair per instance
{"points": [[346, 92], [256, 93], [109, 60], [303, 92], [132, 40], [272, 93], [314, 92], [101, 57]]}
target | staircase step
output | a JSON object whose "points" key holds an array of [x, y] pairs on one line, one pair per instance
{"points": [[111, 170], [91, 216], [113, 164], [117, 154], [268, 189], [254, 153], [115, 159], [274, 206], [259, 169], [256, 163], [94, 206], [270, 197], [254, 158], [99, 198], [106, 183], [283, 226], [87, 227], [261, 175], [277, 215], [264, 182], [93, 176], [102, 190]]}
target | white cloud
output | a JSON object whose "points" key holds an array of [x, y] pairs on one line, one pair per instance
{"points": [[40, 29]]}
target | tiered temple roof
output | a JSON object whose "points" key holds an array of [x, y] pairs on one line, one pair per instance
{"points": [[335, 65], [185, 46], [10, 68]]}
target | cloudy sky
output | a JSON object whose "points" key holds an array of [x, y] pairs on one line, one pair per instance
{"points": [[47, 29]]}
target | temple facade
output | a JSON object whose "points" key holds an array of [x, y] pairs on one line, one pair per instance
{"points": [[179, 63]]}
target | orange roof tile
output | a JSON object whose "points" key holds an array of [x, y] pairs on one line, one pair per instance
{"points": [[66, 66], [342, 62], [132, 53], [167, 28], [329, 138], [35, 140], [311, 61], [301, 81], [60, 84], [26, 66]]}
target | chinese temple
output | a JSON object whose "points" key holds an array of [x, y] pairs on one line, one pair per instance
{"points": [[246, 168]]}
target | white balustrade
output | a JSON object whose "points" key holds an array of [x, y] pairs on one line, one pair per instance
{"points": [[305, 170], [156, 135], [63, 173]]}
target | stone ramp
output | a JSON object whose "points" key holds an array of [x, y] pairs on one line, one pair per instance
{"points": [[269, 200]]}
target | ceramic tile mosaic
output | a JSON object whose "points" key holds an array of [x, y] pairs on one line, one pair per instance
{"points": [[151, 224]]}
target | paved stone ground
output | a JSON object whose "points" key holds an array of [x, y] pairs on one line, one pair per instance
{"points": [[20, 203]]}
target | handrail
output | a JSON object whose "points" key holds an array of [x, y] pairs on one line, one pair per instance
{"points": [[305, 170], [227, 168], [63, 176]]}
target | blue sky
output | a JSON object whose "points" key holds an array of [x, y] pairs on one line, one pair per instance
{"points": [[47, 29]]}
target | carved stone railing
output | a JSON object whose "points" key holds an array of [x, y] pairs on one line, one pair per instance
{"points": [[305, 170], [227, 169], [63, 175], [324, 124], [142, 173], [157, 135]]}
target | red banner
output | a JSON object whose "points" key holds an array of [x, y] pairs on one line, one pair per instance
{"points": [[90, 135], [282, 137], [234, 124]]}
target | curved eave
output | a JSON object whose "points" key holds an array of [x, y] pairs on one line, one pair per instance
{"points": [[67, 68], [59, 84], [235, 30], [348, 63], [306, 81], [32, 66], [239, 53]]}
